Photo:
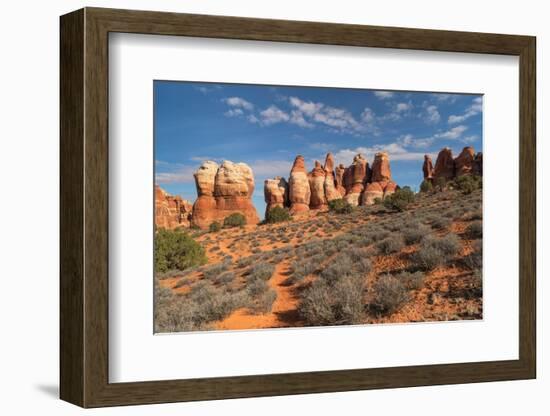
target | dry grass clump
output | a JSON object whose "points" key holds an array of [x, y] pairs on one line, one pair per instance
{"points": [[435, 252], [388, 294]]}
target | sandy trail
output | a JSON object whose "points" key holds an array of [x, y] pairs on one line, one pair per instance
{"points": [[283, 313]]}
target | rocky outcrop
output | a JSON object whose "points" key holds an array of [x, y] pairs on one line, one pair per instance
{"points": [[478, 164], [339, 177], [316, 180], [171, 211], [428, 168], [330, 186], [464, 163], [444, 165], [381, 171], [298, 187], [222, 191], [355, 179], [380, 183], [449, 168], [276, 193], [356, 183]]}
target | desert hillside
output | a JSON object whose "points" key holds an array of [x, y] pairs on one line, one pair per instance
{"points": [[407, 258]]}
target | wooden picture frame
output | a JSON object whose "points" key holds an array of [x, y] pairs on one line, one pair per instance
{"points": [[84, 207]]}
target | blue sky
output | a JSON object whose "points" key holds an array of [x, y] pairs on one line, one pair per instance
{"points": [[267, 126]]}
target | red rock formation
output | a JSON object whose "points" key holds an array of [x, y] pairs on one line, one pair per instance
{"points": [[316, 180], [381, 171], [298, 187], [275, 193], [356, 176], [223, 190], [340, 169], [464, 163], [331, 192], [171, 211], [428, 168], [444, 165], [478, 164], [381, 184]]}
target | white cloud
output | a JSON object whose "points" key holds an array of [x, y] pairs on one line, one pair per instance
{"points": [[252, 118], [273, 115], [175, 174], [308, 108], [470, 139], [209, 89], [263, 169], [472, 110], [296, 117], [403, 107], [383, 95], [452, 134], [234, 112], [368, 116], [450, 98], [238, 102], [395, 152], [432, 115]]}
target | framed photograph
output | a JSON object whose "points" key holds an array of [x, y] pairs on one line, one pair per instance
{"points": [[255, 207]]}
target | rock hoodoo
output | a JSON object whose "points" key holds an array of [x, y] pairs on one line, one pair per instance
{"points": [[316, 180], [380, 184], [299, 192], [428, 168], [356, 183], [340, 169], [355, 178], [276, 193], [468, 162], [222, 191], [331, 190], [171, 211], [464, 162], [444, 165]]}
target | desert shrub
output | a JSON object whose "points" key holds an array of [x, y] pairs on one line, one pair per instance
{"points": [[411, 281], [388, 294], [245, 261], [213, 304], [440, 183], [399, 200], [257, 287], [414, 235], [225, 278], [176, 250], [326, 304], [474, 260], [468, 183], [440, 223], [234, 220], [301, 269], [172, 313], [475, 229], [340, 206], [277, 214], [340, 268], [265, 301], [378, 201], [185, 281], [214, 227], [168, 274], [391, 244], [261, 271], [434, 252], [213, 271], [426, 186]]}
